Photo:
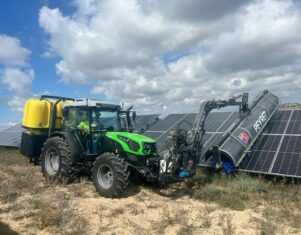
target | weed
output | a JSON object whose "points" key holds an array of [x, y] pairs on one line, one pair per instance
{"points": [[201, 178], [117, 211], [221, 219], [228, 228], [185, 230], [205, 216], [168, 218], [245, 183], [264, 227], [56, 213], [136, 227]]}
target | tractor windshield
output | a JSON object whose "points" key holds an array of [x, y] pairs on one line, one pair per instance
{"points": [[105, 120]]}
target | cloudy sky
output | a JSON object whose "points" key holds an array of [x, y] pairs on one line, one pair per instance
{"points": [[161, 56]]}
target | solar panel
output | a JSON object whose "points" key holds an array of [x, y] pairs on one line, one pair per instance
{"points": [[216, 120], [282, 156], [288, 161], [294, 126], [228, 121], [3, 127], [161, 130], [262, 154], [16, 128], [278, 122], [11, 137], [214, 124], [144, 122]]}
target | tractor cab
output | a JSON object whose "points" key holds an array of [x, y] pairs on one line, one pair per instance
{"points": [[90, 120]]}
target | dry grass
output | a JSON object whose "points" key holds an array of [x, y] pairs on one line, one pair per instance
{"points": [[209, 203], [243, 191]]}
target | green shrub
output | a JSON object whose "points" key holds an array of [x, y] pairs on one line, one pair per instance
{"points": [[245, 183]]}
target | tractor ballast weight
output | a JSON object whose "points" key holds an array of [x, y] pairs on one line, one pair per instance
{"points": [[240, 137]]}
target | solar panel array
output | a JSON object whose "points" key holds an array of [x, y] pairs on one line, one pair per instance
{"points": [[11, 137], [277, 151]]}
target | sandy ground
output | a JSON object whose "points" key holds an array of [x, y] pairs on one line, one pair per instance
{"points": [[147, 209]]}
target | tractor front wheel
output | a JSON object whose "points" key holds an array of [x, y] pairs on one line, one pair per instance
{"points": [[110, 175]]}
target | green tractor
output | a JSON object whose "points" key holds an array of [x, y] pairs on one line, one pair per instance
{"points": [[70, 137]]}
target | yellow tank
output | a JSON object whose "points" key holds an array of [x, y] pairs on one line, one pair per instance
{"points": [[37, 114]]}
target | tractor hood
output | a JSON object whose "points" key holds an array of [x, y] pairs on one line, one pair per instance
{"points": [[133, 143]]}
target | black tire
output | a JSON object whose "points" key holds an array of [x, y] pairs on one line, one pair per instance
{"points": [[110, 175], [59, 169]]}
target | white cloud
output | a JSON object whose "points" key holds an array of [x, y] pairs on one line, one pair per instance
{"points": [[124, 49], [11, 51], [15, 74], [18, 81], [16, 103]]}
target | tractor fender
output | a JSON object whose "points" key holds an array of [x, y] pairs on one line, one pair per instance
{"points": [[75, 146]]}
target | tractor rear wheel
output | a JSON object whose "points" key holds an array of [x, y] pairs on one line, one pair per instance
{"points": [[56, 160], [110, 175]]}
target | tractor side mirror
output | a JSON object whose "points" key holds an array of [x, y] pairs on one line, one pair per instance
{"points": [[134, 115]]}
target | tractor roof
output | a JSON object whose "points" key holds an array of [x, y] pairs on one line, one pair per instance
{"points": [[92, 103]]}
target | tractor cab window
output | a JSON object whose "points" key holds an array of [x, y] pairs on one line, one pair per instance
{"points": [[105, 120], [77, 118], [123, 122]]}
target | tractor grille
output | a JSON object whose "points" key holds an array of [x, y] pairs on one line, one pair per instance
{"points": [[149, 148]]}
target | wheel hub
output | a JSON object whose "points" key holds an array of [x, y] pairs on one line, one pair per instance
{"points": [[105, 176], [52, 161]]}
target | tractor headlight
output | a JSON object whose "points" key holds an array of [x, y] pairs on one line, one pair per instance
{"points": [[133, 145]]}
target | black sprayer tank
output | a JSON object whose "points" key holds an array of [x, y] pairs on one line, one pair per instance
{"points": [[241, 138]]}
